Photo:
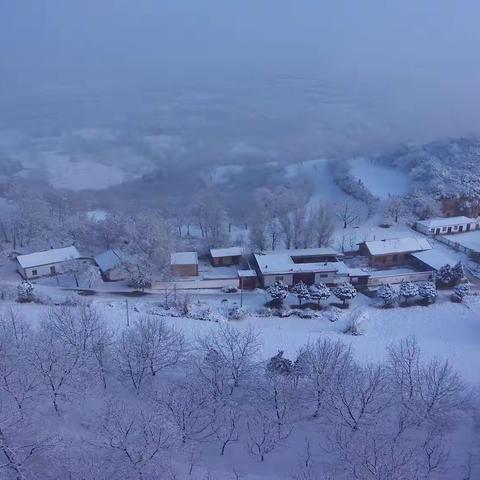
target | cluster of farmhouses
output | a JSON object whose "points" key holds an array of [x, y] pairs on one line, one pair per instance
{"points": [[386, 261]]}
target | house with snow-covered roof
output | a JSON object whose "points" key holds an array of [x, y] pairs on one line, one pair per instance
{"points": [[393, 251], [44, 263], [446, 226], [282, 266], [111, 264]]}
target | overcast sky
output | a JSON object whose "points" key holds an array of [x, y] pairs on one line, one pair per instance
{"points": [[424, 51]]}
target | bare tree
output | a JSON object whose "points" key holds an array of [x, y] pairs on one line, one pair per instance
{"points": [[237, 350], [347, 215], [228, 426], [358, 396], [191, 410], [322, 362], [59, 360], [137, 436], [147, 347], [18, 380], [262, 434]]}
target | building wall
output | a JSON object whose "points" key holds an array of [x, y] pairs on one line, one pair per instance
{"points": [[448, 229], [271, 279], [225, 261], [388, 260], [185, 270], [41, 271], [248, 283], [114, 275]]}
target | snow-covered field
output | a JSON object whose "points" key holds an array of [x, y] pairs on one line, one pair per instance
{"points": [[380, 180], [317, 173]]}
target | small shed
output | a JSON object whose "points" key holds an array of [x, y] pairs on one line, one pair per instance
{"points": [[111, 264], [48, 262], [223, 257], [247, 279], [184, 264]]}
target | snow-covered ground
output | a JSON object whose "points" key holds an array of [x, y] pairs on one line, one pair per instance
{"points": [[380, 180], [317, 173], [467, 239]]}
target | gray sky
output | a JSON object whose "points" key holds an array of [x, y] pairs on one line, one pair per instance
{"points": [[419, 54]]}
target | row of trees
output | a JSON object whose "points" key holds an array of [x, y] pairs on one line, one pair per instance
{"points": [[278, 292], [128, 399]]}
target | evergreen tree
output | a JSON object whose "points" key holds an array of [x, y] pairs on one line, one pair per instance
{"points": [[408, 290], [445, 275], [345, 291], [278, 292], [319, 292], [461, 291], [458, 273], [388, 294], [301, 291], [428, 291]]}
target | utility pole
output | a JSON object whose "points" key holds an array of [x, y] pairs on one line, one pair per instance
{"points": [[128, 313], [241, 292]]}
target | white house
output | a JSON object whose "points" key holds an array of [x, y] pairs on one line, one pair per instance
{"points": [[439, 226], [45, 263], [281, 266]]}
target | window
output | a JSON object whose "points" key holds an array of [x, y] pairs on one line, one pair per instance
{"points": [[323, 275], [395, 257], [34, 273], [52, 269], [278, 279]]}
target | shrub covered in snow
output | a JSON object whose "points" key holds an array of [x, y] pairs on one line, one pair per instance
{"points": [[344, 292], [279, 365], [388, 294], [333, 314], [355, 322], [230, 289], [25, 292], [235, 312], [428, 291], [408, 290]]}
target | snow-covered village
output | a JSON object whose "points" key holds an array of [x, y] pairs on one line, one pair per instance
{"points": [[244, 265]]}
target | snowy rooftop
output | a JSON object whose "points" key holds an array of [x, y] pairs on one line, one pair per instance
{"points": [[305, 252], [435, 258], [226, 252], [247, 273], [445, 222], [184, 258], [111, 259], [283, 263], [55, 255], [397, 245]]}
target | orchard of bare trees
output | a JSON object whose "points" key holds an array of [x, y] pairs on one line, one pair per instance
{"points": [[85, 396]]}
